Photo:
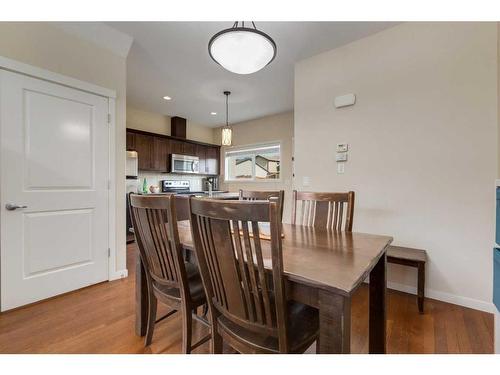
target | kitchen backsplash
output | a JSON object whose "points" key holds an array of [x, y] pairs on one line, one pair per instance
{"points": [[154, 179]]}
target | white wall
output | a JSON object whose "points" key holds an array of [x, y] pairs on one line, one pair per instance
{"points": [[423, 145], [48, 47], [266, 129]]}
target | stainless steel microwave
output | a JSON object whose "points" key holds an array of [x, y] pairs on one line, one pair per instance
{"points": [[184, 164]]}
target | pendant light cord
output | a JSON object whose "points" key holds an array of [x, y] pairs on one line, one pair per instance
{"points": [[227, 110]]}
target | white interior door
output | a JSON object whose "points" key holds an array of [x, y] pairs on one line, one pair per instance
{"points": [[54, 160]]}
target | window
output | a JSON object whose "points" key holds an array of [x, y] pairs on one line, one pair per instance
{"points": [[253, 163]]}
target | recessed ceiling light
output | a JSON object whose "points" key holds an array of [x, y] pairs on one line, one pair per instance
{"points": [[213, 113], [167, 98]]}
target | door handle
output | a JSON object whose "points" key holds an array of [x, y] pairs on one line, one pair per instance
{"points": [[12, 207]]}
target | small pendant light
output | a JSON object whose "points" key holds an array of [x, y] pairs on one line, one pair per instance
{"points": [[227, 132]]}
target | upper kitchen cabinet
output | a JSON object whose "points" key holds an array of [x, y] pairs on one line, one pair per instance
{"points": [[189, 149], [201, 152], [131, 141], [176, 147], [154, 151], [144, 145], [212, 160], [161, 153]]}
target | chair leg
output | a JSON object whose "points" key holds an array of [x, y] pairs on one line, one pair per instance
{"points": [[216, 342], [187, 329], [151, 318], [317, 346], [421, 287]]}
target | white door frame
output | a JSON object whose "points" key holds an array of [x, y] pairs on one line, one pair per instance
{"points": [[46, 75]]}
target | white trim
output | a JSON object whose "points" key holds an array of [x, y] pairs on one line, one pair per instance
{"points": [[39, 73], [118, 274], [113, 273], [35, 72], [250, 148], [446, 297]]}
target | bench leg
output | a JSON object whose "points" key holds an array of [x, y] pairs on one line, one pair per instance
{"points": [[421, 287]]}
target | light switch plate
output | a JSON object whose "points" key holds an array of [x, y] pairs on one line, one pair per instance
{"points": [[340, 168], [341, 156], [306, 181], [342, 147]]}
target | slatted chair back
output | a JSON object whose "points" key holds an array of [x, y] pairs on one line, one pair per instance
{"points": [[229, 249], [326, 210], [155, 227], [263, 196]]}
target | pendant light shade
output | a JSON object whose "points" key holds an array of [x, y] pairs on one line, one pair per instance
{"points": [[227, 135], [227, 132], [242, 50]]}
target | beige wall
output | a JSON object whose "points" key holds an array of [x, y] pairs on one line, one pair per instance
{"points": [[423, 145], [158, 123], [48, 47], [266, 129]]}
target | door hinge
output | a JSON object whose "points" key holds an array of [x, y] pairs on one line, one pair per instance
{"points": [[109, 252], [109, 118]]}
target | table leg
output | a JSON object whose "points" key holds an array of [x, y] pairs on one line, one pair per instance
{"points": [[334, 323], [421, 286], [141, 298], [377, 320]]}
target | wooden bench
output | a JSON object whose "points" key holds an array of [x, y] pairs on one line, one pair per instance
{"points": [[407, 256]]}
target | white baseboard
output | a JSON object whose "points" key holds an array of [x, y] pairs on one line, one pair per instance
{"points": [[120, 274], [446, 297]]}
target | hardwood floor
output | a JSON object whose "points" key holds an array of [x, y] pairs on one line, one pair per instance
{"points": [[100, 319]]}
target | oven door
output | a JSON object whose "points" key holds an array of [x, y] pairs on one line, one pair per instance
{"points": [[185, 164]]}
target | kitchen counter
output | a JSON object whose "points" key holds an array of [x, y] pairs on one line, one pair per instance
{"points": [[219, 194]]}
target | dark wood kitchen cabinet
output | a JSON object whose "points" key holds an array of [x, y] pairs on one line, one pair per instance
{"points": [[201, 152], [161, 162], [144, 147], [131, 141], [176, 147], [154, 151], [189, 149], [212, 160]]}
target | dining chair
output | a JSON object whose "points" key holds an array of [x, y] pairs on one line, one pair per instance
{"points": [[243, 278], [264, 196], [327, 210], [169, 278]]}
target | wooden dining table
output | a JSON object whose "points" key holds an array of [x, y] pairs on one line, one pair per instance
{"points": [[323, 268]]}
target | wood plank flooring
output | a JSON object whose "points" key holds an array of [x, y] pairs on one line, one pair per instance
{"points": [[100, 319]]}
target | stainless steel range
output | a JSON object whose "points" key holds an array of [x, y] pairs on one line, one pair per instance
{"points": [[175, 186]]}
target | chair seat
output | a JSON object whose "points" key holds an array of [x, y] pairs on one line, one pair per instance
{"points": [[303, 330], [195, 286]]}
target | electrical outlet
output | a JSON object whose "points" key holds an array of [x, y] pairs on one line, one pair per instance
{"points": [[306, 181]]}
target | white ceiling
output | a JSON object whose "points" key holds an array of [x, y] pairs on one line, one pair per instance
{"points": [[171, 58]]}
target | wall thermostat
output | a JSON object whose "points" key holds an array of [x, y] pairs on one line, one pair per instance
{"points": [[342, 147]]}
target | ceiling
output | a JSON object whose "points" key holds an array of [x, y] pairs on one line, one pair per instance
{"points": [[171, 58]]}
